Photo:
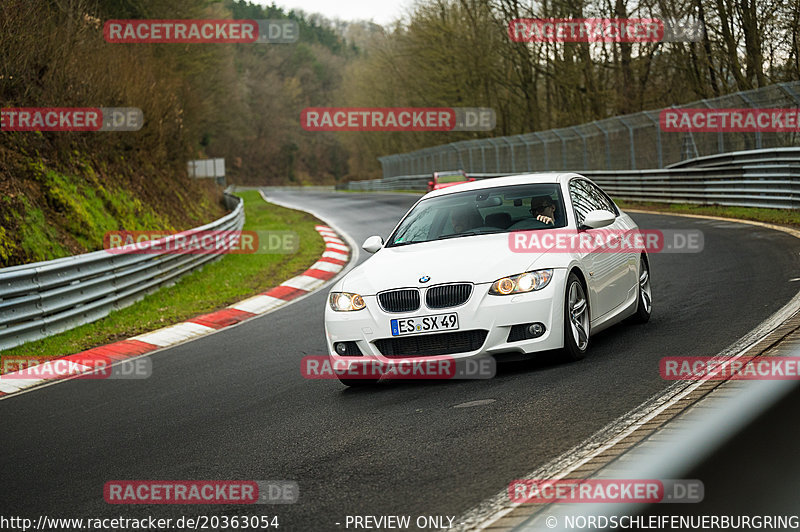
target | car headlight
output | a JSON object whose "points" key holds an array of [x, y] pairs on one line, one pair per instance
{"points": [[346, 301], [521, 283]]}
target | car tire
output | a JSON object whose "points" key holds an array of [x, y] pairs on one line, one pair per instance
{"points": [[577, 322], [644, 296]]}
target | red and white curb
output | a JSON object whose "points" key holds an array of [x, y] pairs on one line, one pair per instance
{"points": [[332, 261]]}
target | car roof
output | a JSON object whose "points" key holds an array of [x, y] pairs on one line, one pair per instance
{"points": [[521, 179]]}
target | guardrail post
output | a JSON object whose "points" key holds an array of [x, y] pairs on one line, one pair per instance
{"points": [[511, 148], [720, 139], [496, 155], [597, 124], [632, 146], [459, 160], [384, 164], [563, 149], [657, 127], [752, 105], [585, 148], [527, 153], [544, 149]]}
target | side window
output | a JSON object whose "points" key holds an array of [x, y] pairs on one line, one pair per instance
{"points": [[601, 197], [587, 197]]}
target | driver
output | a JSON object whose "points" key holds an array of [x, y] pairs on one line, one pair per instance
{"points": [[543, 208]]}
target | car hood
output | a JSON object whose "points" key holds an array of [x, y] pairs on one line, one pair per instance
{"points": [[476, 259]]}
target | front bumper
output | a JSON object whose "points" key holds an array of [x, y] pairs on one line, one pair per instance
{"points": [[495, 314]]}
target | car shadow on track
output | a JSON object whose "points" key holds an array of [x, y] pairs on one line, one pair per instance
{"points": [[508, 365]]}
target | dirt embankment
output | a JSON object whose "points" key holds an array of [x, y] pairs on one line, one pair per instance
{"points": [[58, 199]]}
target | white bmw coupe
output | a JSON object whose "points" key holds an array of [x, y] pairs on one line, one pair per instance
{"points": [[489, 267]]}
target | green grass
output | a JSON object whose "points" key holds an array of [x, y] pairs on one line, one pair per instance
{"points": [[83, 207], [788, 217], [218, 284], [37, 238]]}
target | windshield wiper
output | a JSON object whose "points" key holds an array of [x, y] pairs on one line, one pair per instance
{"points": [[445, 237], [470, 233], [457, 235]]}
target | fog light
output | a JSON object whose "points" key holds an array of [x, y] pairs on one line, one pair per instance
{"points": [[535, 330], [347, 349], [526, 331]]}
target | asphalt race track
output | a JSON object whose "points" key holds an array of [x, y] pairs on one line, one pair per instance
{"points": [[233, 405]]}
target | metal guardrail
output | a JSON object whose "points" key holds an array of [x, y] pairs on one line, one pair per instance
{"points": [[46, 298], [629, 142], [754, 178]]}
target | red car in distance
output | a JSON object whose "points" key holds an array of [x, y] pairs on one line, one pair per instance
{"points": [[447, 179]]}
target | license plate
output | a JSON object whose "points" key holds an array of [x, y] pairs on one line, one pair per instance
{"points": [[423, 324]]}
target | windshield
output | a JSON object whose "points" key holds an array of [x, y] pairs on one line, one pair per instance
{"points": [[484, 211]]}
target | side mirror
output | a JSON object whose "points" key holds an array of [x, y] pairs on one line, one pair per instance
{"points": [[372, 244], [598, 219]]}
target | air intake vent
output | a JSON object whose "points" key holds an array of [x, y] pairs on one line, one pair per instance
{"points": [[420, 345], [399, 300], [448, 295]]}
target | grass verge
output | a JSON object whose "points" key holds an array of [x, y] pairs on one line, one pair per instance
{"points": [[216, 285], [787, 217]]}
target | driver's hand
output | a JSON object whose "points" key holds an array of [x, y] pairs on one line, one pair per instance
{"points": [[545, 219]]}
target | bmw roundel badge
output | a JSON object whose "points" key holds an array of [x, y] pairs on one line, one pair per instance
{"points": [[424, 279]]}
